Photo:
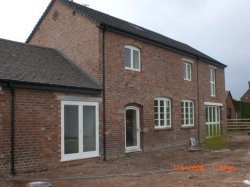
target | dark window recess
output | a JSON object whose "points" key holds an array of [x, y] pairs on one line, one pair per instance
{"points": [[229, 113], [55, 15]]}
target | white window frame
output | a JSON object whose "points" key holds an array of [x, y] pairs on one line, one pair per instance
{"points": [[213, 126], [133, 48], [80, 154], [166, 101], [212, 77], [190, 115], [187, 71], [138, 130]]}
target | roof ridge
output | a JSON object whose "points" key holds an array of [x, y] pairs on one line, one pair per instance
{"points": [[133, 30], [118, 24]]}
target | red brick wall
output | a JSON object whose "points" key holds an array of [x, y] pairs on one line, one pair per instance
{"points": [[5, 107], [246, 96], [161, 76], [73, 35], [230, 106], [37, 130]]}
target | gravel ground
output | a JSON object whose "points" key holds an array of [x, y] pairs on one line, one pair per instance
{"points": [[227, 167]]}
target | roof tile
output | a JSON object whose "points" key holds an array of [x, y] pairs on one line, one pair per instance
{"points": [[102, 18], [33, 64]]}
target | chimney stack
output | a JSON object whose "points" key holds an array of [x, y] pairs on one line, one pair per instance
{"points": [[249, 84]]}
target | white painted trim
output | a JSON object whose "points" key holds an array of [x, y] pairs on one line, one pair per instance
{"points": [[163, 127], [187, 60], [79, 98], [212, 77], [81, 154], [213, 67], [188, 68], [138, 147], [132, 150], [133, 48], [213, 126], [212, 104], [189, 119], [165, 99]]}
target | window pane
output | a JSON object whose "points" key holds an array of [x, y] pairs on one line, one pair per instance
{"points": [[131, 128], [191, 110], [162, 109], [156, 116], [89, 128], [162, 123], [168, 116], [184, 70], [127, 57], [188, 71], [161, 116], [71, 130], [182, 116], [212, 78], [136, 59], [161, 103], [156, 112], [211, 75], [207, 114], [156, 122], [167, 109], [210, 114]]}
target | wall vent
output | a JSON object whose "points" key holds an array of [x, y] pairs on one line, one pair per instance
{"points": [[55, 15]]}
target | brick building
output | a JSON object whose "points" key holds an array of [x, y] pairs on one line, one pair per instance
{"points": [[246, 96], [148, 92], [230, 105]]}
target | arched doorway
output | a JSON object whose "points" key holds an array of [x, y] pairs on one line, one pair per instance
{"points": [[132, 129]]}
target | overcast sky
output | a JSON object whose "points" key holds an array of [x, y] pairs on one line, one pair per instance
{"points": [[219, 28]]}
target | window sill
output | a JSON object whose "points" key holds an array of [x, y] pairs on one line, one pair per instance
{"points": [[72, 157], [163, 129], [188, 127], [187, 80], [132, 69], [133, 150]]}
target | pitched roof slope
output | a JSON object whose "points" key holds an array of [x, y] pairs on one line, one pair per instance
{"points": [[32, 64], [120, 25]]}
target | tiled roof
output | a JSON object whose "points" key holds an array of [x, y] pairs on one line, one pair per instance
{"points": [[32, 64], [123, 26]]}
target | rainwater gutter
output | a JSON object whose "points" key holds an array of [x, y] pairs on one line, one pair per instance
{"points": [[198, 98]]}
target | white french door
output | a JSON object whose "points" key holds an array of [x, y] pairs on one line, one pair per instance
{"points": [[213, 127]]}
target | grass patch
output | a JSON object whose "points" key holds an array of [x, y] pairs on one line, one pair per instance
{"points": [[216, 143]]}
